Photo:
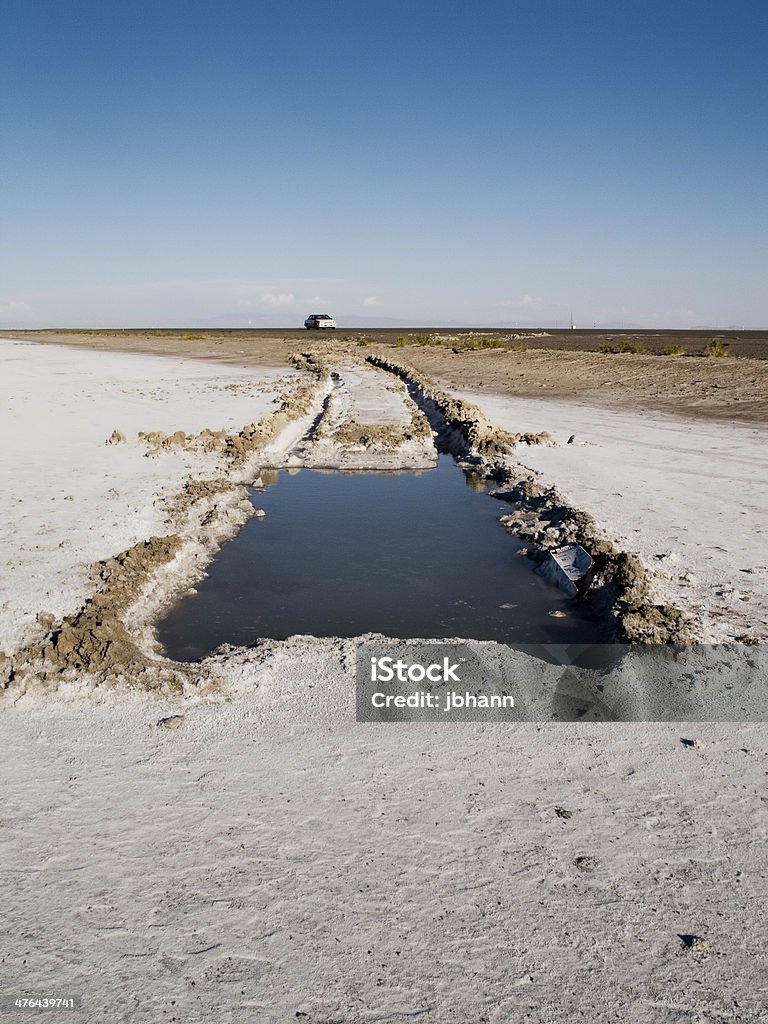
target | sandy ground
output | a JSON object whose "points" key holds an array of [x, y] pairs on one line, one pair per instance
{"points": [[271, 860]]}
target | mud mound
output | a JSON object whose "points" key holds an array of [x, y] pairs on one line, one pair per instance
{"points": [[386, 436], [621, 581], [95, 640], [463, 429]]}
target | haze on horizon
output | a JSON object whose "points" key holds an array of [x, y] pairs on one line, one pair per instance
{"points": [[202, 162]]}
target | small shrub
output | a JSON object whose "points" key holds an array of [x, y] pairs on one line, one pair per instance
{"points": [[401, 343], [363, 342], [631, 347], [717, 347], [480, 344], [674, 350]]}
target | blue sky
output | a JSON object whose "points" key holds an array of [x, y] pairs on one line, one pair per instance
{"points": [[189, 161]]}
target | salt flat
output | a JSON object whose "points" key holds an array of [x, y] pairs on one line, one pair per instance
{"points": [[270, 859]]}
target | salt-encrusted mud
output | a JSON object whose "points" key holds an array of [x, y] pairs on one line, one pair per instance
{"points": [[238, 448], [367, 422], [273, 861], [109, 640]]}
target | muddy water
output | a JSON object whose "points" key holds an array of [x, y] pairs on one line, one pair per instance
{"points": [[406, 554]]}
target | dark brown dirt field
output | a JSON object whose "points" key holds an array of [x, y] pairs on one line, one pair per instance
{"points": [[725, 388], [564, 364]]}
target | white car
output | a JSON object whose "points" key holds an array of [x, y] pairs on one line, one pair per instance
{"points": [[318, 321]]}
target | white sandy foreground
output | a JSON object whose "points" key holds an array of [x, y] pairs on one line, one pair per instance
{"points": [[271, 860]]}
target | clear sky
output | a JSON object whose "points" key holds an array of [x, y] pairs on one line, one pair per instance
{"points": [[188, 161]]}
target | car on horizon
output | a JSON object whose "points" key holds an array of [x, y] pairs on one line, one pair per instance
{"points": [[320, 321]]}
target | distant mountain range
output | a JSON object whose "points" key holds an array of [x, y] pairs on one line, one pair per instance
{"points": [[354, 320], [351, 321]]}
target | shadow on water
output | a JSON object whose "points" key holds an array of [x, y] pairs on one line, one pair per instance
{"points": [[402, 554]]}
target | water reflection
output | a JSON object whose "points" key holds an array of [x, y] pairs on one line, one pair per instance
{"points": [[403, 554]]}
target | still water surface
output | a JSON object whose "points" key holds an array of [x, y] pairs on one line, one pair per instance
{"points": [[403, 554]]}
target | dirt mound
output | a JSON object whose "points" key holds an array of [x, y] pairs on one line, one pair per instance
{"points": [[96, 640], [464, 430], [382, 435], [295, 402]]}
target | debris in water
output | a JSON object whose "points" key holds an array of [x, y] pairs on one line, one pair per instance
{"points": [[569, 567]]}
